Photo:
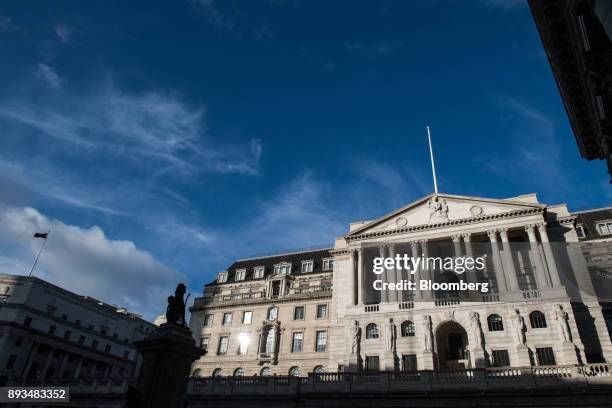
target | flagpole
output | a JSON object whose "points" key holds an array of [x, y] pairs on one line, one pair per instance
{"points": [[433, 165], [38, 255]]}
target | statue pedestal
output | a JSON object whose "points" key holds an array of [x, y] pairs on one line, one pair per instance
{"points": [[389, 362], [478, 358], [427, 360], [354, 363], [167, 355], [522, 356], [568, 354]]}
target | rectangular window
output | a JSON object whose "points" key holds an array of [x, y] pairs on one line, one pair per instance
{"points": [[604, 228], [259, 272], [580, 231], [372, 363], [284, 269], [67, 334], [223, 343], [276, 287], [81, 339], [307, 266], [52, 329], [501, 358], [107, 348], [526, 280], [227, 319], [328, 264], [321, 342], [298, 340], [222, 277], [240, 274], [545, 356], [247, 317], [298, 313], [208, 320], [94, 344], [11, 362], [321, 311], [409, 362], [204, 343]]}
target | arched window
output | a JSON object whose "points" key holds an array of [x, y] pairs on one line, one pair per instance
{"points": [[266, 372], [319, 369], [239, 372], [372, 331], [408, 329], [197, 373], [295, 371], [537, 320], [270, 340], [217, 372], [495, 323], [272, 313]]}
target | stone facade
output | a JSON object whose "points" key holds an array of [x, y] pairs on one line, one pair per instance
{"points": [[541, 294], [48, 333]]}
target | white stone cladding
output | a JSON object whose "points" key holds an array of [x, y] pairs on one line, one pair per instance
{"points": [[562, 287]]}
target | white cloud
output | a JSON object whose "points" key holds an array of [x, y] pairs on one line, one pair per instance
{"points": [[64, 32], [86, 261], [48, 75], [155, 126]]}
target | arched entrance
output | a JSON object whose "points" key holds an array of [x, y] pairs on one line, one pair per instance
{"points": [[452, 346]]}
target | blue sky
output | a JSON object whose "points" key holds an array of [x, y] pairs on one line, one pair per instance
{"points": [[161, 140]]}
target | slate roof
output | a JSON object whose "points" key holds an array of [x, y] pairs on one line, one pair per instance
{"points": [[268, 262], [589, 218]]}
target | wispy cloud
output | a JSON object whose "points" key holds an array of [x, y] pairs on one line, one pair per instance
{"points": [[535, 152], [374, 49], [6, 23], [154, 125], [64, 32], [48, 75], [86, 261]]}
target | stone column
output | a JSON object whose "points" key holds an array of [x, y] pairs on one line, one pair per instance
{"points": [[509, 268], [394, 295], [384, 294], [414, 249], [167, 353], [457, 245], [469, 276], [550, 258], [79, 366], [540, 271], [426, 273], [360, 278], [353, 271], [497, 262]]}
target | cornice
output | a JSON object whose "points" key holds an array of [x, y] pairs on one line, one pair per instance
{"points": [[452, 223]]}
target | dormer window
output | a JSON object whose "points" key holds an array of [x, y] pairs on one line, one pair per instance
{"points": [[580, 231], [282, 269], [240, 274], [222, 277], [307, 266], [328, 264], [604, 228], [258, 272]]}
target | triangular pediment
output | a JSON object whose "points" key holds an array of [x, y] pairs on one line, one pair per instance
{"points": [[443, 208]]}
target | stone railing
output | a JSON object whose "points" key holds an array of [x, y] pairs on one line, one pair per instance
{"points": [[592, 375], [310, 289]]}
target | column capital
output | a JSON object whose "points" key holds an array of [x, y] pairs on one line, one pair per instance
{"points": [[503, 233], [456, 238], [541, 225], [492, 235], [467, 236], [530, 227]]}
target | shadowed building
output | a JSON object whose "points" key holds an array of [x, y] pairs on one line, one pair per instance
{"points": [[48, 334], [577, 37]]}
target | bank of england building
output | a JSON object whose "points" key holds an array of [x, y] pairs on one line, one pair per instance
{"points": [[317, 311]]}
